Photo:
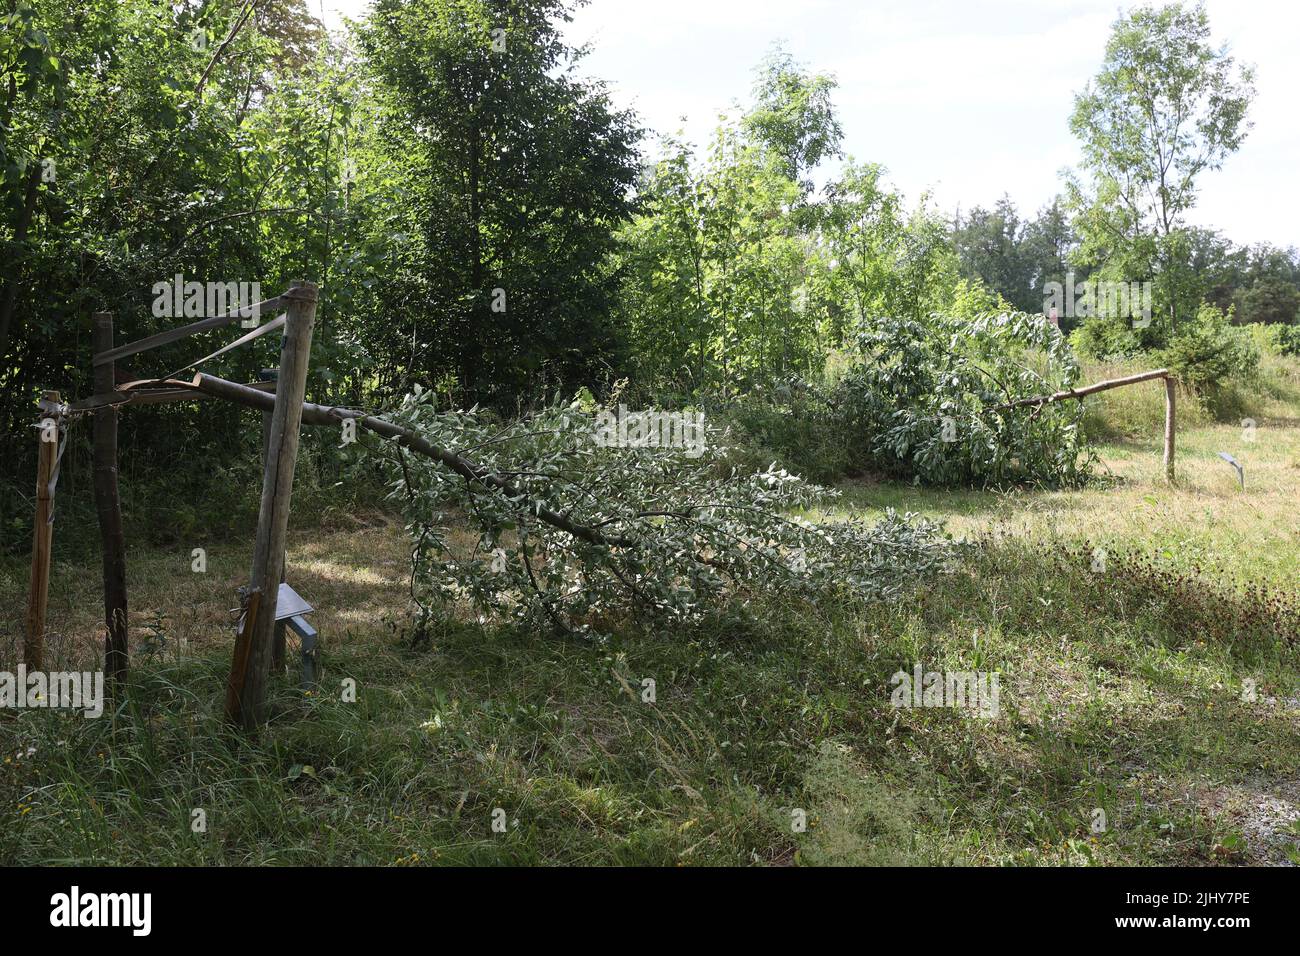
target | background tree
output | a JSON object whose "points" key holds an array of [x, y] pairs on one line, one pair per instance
{"points": [[1165, 107], [506, 172], [1270, 285], [991, 246], [886, 263], [141, 174], [138, 143], [793, 116], [1050, 246]]}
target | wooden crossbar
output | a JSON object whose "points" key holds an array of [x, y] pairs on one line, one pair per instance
{"points": [[203, 325], [1159, 373], [152, 392], [1086, 390]]}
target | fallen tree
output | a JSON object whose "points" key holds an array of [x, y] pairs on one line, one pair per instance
{"points": [[575, 532], [313, 414]]}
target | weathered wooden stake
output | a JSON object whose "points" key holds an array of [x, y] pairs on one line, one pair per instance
{"points": [[1170, 384], [109, 508], [273, 518], [269, 375], [239, 666], [42, 539]]}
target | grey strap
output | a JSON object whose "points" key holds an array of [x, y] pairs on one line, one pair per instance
{"points": [[275, 323]]}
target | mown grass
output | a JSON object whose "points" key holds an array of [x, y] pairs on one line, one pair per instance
{"points": [[1159, 686]]}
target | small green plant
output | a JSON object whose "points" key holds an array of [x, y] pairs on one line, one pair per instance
{"points": [[155, 642], [1105, 339], [857, 817], [1210, 356]]}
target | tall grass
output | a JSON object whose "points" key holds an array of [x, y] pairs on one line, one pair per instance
{"points": [[1138, 411], [1119, 693]]}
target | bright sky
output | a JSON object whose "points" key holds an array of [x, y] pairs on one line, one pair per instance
{"points": [[968, 100]]}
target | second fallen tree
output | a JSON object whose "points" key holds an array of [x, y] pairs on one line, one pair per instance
{"points": [[1105, 385]]}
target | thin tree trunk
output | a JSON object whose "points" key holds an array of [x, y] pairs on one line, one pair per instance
{"points": [[1170, 426], [109, 508], [9, 301]]}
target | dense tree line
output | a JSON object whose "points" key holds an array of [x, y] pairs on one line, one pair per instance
{"points": [[1016, 257], [440, 171], [737, 273], [481, 218], [487, 225]]}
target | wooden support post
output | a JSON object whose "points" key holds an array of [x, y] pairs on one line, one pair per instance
{"points": [[42, 540], [1170, 424], [239, 666], [269, 376], [273, 517], [109, 508], [277, 648]]}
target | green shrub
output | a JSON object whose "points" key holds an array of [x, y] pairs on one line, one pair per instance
{"points": [[792, 425], [1266, 338], [922, 402], [1213, 358], [1105, 339], [1287, 338]]}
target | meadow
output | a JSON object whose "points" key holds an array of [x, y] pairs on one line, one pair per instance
{"points": [[1145, 639]]}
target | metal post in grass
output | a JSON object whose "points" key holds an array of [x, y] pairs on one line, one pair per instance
{"points": [[246, 692]]}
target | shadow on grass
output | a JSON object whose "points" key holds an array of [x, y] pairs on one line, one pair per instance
{"points": [[559, 736]]}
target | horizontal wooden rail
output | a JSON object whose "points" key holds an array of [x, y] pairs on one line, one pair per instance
{"points": [[203, 325], [1159, 373], [163, 391], [1086, 390]]}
